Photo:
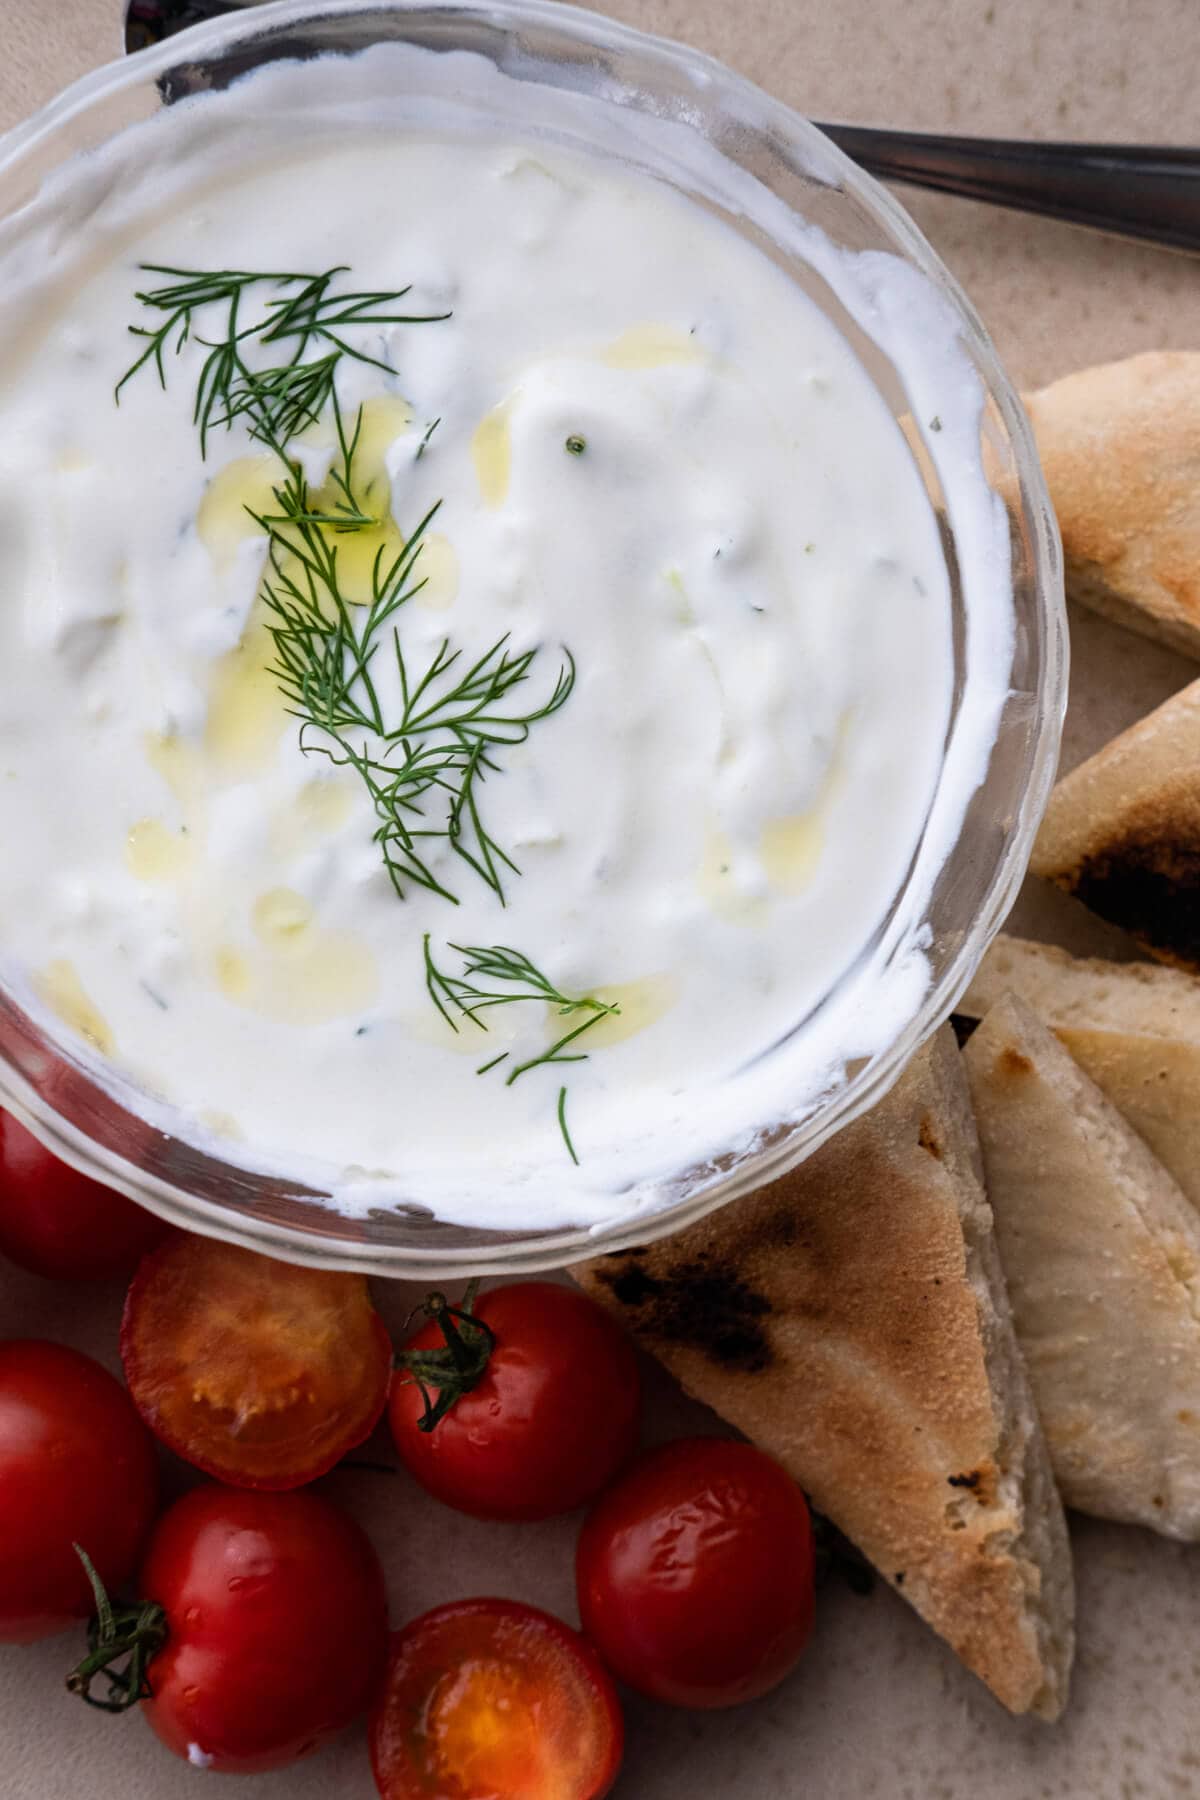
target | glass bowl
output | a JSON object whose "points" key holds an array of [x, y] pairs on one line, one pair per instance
{"points": [[807, 203]]}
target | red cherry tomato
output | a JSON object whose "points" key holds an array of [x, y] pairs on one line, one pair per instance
{"points": [[77, 1466], [491, 1700], [57, 1222], [259, 1373], [550, 1407], [276, 1621], [695, 1574]]}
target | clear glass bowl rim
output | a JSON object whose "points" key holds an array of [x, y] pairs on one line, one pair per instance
{"points": [[553, 1249]]}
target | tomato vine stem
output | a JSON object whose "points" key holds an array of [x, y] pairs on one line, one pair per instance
{"points": [[136, 1632], [456, 1366]]}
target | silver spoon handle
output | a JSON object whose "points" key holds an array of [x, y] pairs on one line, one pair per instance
{"points": [[1138, 191]]}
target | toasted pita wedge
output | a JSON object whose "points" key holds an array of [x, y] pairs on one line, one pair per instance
{"points": [[851, 1319], [1122, 831], [1120, 446], [1102, 1254], [1134, 1028]]}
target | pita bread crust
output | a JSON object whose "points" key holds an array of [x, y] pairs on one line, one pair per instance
{"points": [[1120, 447], [1122, 831], [1133, 1028], [1102, 1252], [850, 1318]]}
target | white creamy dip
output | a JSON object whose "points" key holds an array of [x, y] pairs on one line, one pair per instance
{"points": [[654, 456]]}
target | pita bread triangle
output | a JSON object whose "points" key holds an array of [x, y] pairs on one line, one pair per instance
{"points": [[1102, 1252], [851, 1319]]}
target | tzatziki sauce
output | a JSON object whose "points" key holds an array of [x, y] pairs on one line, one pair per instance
{"points": [[658, 697]]}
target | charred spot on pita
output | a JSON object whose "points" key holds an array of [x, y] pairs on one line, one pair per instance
{"points": [[702, 1305], [1148, 884], [928, 1138], [979, 1482], [632, 1286]]}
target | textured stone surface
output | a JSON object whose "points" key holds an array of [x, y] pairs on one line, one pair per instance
{"points": [[879, 1709]]}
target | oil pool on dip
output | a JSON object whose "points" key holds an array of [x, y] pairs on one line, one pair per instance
{"points": [[451, 738]]}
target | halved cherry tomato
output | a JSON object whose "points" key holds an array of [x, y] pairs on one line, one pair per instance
{"points": [[543, 1398], [259, 1373], [492, 1700], [269, 1634], [76, 1466], [56, 1222], [695, 1573]]}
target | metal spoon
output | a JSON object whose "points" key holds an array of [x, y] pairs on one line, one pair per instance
{"points": [[1150, 192], [1147, 191]]}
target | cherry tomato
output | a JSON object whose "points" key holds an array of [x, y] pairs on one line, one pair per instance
{"points": [[56, 1222], [543, 1414], [76, 1466], [695, 1574], [276, 1627], [259, 1373], [491, 1700]]}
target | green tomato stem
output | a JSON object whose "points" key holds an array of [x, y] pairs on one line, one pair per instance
{"points": [[133, 1634]]}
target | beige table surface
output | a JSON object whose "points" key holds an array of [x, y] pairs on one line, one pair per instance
{"points": [[879, 1708]]}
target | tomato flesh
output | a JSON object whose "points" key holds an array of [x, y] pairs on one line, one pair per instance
{"points": [[695, 1574], [553, 1419], [76, 1466], [488, 1698], [259, 1373], [58, 1223], [276, 1620]]}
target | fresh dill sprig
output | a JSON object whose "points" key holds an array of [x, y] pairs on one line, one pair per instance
{"points": [[497, 975], [424, 766], [521, 979], [216, 309], [562, 1125], [425, 769]]}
